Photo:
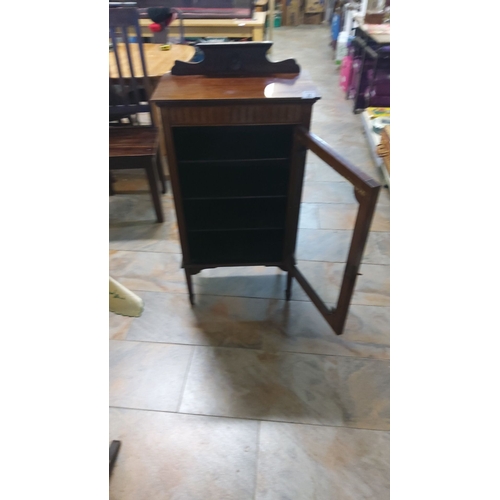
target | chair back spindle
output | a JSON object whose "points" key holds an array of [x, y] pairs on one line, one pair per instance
{"points": [[133, 90]]}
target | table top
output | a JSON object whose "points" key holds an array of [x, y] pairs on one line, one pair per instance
{"points": [[158, 62], [202, 88], [259, 18]]}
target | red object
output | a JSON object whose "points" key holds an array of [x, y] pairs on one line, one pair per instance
{"points": [[155, 27]]}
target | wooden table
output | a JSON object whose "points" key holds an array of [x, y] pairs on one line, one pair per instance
{"points": [[215, 28], [158, 63]]}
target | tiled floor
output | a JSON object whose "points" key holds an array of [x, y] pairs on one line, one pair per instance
{"points": [[246, 396]]}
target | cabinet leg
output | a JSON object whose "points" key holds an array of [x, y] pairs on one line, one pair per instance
{"points": [[288, 293], [113, 453], [189, 281]]}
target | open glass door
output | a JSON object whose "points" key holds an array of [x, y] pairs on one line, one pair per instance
{"points": [[366, 192]]}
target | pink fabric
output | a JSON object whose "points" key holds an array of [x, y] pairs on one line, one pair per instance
{"points": [[346, 73]]}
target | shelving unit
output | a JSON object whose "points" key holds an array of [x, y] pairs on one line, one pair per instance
{"points": [[234, 197], [374, 140]]}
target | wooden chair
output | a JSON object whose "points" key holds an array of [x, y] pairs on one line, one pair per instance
{"points": [[133, 147]]}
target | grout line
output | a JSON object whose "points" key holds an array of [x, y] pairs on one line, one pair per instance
{"points": [[141, 251], [250, 349], [257, 453], [329, 304], [305, 300], [299, 227], [228, 267], [249, 419], [339, 262], [335, 203], [185, 377], [339, 230], [350, 230]]}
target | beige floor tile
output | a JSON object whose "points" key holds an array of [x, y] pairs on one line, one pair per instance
{"points": [[214, 320], [146, 236], [182, 457], [301, 388], [318, 171], [146, 375], [148, 271], [303, 329], [308, 216], [322, 463], [268, 324], [324, 245], [372, 285], [258, 282], [343, 216], [383, 197], [333, 246], [336, 192], [119, 326], [328, 192], [125, 210]]}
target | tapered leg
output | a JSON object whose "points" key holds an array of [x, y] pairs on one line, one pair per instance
{"points": [[161, 172], [152, 173], [114, 447], [189, 281], [288, 292], [111, 180]]}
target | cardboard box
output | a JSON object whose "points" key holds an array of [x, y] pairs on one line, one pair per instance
{"points": [[374, 18], [314, 6], [315, 18], [260, 5], [293, 13]]}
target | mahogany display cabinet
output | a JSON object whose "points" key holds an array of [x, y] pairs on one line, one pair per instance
{"points": [[237, 134]]}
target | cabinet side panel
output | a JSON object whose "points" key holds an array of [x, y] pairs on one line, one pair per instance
{"points": [[297, 166], [174, 179]]}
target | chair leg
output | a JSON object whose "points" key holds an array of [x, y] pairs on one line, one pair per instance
{"points": [[152, 173], [161, 172]]}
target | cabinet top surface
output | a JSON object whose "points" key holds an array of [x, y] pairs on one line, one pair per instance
{"points": [[201, 88]]}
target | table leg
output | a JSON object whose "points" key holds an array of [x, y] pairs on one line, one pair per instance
{"points": [[258, 34]]}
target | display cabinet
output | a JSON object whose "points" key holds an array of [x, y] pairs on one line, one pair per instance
{"points": [[237, 133]]}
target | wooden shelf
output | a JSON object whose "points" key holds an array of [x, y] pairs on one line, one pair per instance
{"points": [[235, 214], [234, 179], [239, 247], [242, 142]]}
